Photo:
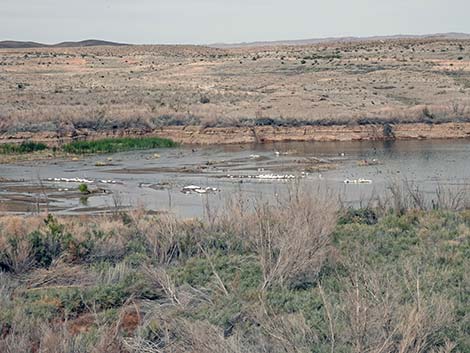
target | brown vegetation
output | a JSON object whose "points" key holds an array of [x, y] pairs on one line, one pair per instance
{"points": [[138, 89]]}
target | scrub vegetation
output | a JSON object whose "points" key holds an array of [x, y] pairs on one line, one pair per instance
{"points": [[108, 145], [78, 91], [24, 147], [301, 275], [111, 145]]}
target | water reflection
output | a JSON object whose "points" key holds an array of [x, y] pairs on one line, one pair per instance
{"points": [[155, 183]]}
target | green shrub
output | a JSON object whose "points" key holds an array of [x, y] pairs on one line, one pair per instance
{"points": [[47, 246], [239, 272], [358, 215], [83, 188]]}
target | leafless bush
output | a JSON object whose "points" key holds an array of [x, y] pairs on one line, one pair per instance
{"points": [[57, 339], [162, 235], [7, 286], [234, 216], [288, 333], [59, 274], [15, 253], [299, 225], [111, 245], [163, 283], [405, 195], [15, 249], [23, 335], [114, 274], [455, 199], [373, 315], [162, 331]]}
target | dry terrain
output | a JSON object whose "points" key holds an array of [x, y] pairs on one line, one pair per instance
{"points": [[69, 92]]}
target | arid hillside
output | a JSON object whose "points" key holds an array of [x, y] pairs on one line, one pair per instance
{"points": [[63, 90]]}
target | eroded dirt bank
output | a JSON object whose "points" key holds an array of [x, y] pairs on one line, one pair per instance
{"points": [[263, 134], [315, 133]]}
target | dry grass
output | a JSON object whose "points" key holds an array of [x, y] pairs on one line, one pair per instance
{"points": [[134, 89]]}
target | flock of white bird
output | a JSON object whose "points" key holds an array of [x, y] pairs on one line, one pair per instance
{"points": [[81, 180], [358, 181], [195, 189], [198, 189], [267, 176]]}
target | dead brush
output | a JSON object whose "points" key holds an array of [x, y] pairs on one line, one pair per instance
{"points": [[287, 333], [17, 226], [114, 274], [404, 196], [163, 236], [59, 275], [231, 218], [108, 237], [378, 320], [167, 237], [111, 335], [15, 249], [299, 222], [421, 325], [452, 199], [15, 254], [162, 331], [29, 335], [44, 337], [183, 297], [8, 284], [291, 239], [22, 335], [163, 283]]}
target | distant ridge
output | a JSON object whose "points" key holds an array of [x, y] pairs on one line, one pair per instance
{"points": [[450, 35], [11, 44], [16, 45]]}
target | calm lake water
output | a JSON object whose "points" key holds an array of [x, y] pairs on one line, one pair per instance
{"points": [[155, 179]]}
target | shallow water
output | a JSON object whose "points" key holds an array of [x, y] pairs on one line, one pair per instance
{"points": [[155, 179]]}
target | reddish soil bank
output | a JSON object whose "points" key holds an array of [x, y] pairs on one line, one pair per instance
{"points": [[264, 134]]}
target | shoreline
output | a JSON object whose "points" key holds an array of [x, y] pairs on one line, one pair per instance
{"points": [[197, 135]]}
